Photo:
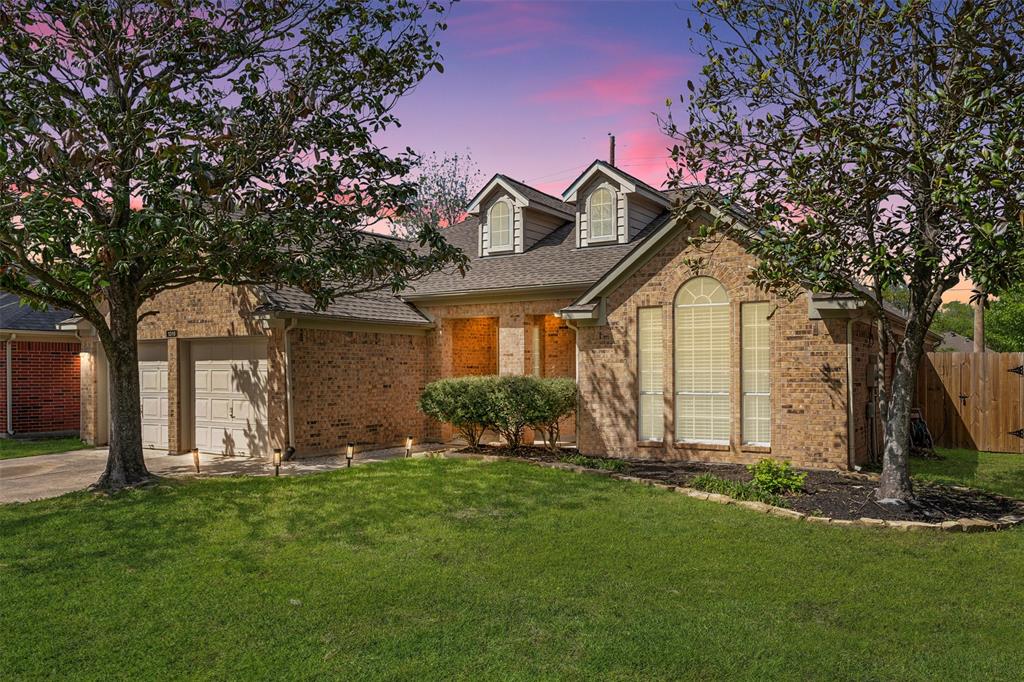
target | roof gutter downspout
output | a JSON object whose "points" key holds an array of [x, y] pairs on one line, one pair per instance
{"points": [[289, 325], [850, 434], [576, 374], [10, 385]]}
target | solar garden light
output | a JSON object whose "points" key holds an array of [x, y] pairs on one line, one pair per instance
{"points": [[408, 446], [277, 461], [348, 454], [195, 458]]}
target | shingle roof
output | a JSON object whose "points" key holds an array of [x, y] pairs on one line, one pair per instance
{"points": [[15, 316], [538, 197], [374, 306], [552, 261]]}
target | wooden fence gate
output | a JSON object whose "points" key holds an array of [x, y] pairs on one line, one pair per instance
{"points": [[974, 400]]}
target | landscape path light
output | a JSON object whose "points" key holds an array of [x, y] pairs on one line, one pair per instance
{"points": [[348, 454]]}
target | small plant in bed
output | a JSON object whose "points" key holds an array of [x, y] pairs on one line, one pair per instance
{"points": [[739, 490], [595, 462], [777, 477]]}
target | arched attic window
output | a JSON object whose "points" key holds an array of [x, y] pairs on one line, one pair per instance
{"points": [[601, 215], [499, 225]]}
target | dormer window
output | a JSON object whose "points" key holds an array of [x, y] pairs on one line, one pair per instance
{"points": [[499, 221], [601, 211]]}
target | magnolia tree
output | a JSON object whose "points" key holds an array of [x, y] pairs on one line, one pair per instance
{"points": [[145, 146], [869, 146]]}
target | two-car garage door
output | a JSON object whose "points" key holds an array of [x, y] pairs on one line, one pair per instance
{"points": [[229, 383], [230, 387]]}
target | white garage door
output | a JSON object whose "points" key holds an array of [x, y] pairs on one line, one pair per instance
{"points": [[231, 406], [153, 397]]}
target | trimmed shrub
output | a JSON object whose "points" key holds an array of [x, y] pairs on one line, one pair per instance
{"points": [[515, 403], [556, 400], [776, 477], [463, 402], [507, 404]]}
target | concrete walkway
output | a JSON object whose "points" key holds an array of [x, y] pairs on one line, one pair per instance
{"points": [[42, 476]]}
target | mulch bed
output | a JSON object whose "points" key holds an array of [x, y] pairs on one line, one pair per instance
{"points": [[834, 494]]}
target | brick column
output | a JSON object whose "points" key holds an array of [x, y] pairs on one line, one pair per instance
{"points": [[175, 442], [512, 343]]}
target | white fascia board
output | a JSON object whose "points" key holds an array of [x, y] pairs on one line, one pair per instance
{"points": [[496, 182]]}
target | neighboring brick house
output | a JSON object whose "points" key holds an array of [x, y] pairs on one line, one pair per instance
{"points": [[39, 371], [598, 284]]}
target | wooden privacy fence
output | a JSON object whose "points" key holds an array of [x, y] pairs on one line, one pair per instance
{"points": [[974, 400]]}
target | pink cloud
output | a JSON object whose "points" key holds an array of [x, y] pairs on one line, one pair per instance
{"points": [[641, 82]]}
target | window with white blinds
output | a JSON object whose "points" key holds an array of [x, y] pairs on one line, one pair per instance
{"points": [[651, 364], [601, 214], [757, 400], [702, 362]]}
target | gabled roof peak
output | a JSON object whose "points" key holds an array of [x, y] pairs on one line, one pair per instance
{"points": [[629, 182], [524, 195]]}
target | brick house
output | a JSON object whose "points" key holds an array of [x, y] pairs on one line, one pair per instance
{"points": [[39, 371], [596, 284]]}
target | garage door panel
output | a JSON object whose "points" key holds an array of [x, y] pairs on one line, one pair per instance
{"points": [[231, 406], [154, 403]]}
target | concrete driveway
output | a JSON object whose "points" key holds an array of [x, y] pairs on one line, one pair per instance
{"points": [[42, 476]]}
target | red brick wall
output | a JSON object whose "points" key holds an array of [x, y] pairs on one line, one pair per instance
{"points": [[45, 386], [475, 341], [355, 386], [808, 368]]}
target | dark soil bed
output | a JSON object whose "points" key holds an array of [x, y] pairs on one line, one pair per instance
{"points": [[834, 494]]}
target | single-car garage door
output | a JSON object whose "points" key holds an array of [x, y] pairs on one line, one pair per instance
{"points": [[153, 398], [230, 383]]}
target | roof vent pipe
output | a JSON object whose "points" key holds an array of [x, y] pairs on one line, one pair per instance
{"points": [[611, 149]]}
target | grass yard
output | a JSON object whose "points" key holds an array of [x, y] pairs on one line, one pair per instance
{"points": [[995, 471], [11, 448], [427, 569]]}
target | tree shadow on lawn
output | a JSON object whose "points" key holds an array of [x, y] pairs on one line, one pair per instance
{"points": [[249, 517]]}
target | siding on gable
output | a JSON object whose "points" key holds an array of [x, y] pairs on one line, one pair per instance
{"points": [[642, 212], [528, 225], [536, 226]]}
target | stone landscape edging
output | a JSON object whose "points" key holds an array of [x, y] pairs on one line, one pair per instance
{"points": [[965, 525]]}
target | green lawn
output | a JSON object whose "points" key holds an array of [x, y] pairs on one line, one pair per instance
{"points": [[10, 448], [427, 569], [999, 472]]}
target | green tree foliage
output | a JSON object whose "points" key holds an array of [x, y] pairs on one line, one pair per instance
{"points": [[864, 145], [1004, 321], [954, 317], [145, 146], [444, 188]]}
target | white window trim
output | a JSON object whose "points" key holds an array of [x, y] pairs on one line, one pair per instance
{"points": [[760, 394], [614, 235], [504, 248]]}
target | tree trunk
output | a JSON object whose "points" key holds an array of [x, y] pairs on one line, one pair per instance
{"points": [[125, 463], [894, 487]]}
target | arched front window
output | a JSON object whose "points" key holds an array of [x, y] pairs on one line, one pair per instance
{"points": [[702, 362], [499, 224], [601, 214]]}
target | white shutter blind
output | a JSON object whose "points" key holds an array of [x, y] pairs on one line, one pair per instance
{"points": [[602, 214], [499, 224], [702, 362], [757, 422], [651, 368]]}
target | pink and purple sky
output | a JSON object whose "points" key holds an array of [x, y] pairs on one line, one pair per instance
{"points": [[532, 89]]}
